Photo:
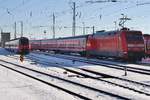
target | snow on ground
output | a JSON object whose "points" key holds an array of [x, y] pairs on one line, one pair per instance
{"points": [[14, 86], [28, 89], [111, 71]]}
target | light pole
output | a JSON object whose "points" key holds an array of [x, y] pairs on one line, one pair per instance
{"points": [[115, 22], [15, 32], [83, 28], [21, 23], [1, 29]]}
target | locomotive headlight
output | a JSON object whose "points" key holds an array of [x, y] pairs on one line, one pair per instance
{"points": [[125, 52], [88, 44]]}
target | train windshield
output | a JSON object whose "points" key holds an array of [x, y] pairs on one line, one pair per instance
{"points": [[24, 41], [134, 36]]}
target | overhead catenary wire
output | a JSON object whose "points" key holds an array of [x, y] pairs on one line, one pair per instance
{"points": [[80, 18], [10, 10], [119, 11]]}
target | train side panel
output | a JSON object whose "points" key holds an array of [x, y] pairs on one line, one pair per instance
{"points": [[69, 44], [108, 45], [35, 44], [77, 44], [19, 45], [12, 46], [147, 44]]}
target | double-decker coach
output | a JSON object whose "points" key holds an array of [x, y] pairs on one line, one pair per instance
{"points": [[18, 45]]}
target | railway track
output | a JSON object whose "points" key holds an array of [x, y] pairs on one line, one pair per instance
{"points": [[104, 64], [126, 81], [144, 64], [62, 79]]}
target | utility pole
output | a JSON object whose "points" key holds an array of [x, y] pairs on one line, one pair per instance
{"points": [[93, 29], [21, 22], [1, 30], [15, 33], [53, 26], [115, 22], [74, 19], [83, 28]]}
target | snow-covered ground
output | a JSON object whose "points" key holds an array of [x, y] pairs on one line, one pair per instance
{"points": [[18, 87], [14, 86]]}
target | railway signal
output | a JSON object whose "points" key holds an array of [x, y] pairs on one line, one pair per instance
{"points": [[125, 71], [21, 57]]}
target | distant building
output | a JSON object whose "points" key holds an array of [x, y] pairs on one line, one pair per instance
{"points": [[5, 36]]}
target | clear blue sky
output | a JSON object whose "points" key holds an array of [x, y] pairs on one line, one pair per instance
{"points": [[37, 16]]}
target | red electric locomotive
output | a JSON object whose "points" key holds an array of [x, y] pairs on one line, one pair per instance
{"points": [[124, 44], [18, 45], [147, 44]]}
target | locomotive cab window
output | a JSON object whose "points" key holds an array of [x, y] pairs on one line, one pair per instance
{"points": [[24, 41], [134, 36]]}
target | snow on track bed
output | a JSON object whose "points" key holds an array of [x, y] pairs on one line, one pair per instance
{"points": [[135, 86], [116, 65], [14, 86], [115, 87], [106, 68], [86, 80], [91, 92]]}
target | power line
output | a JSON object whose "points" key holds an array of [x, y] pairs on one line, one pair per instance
{"points": [[143, 3], [101, 1], [114, 12], [9, 11]]}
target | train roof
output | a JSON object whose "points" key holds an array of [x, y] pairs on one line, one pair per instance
{"points": [[18, 38], [61, 38], [147, 35], [80, 36], [106, 33]]}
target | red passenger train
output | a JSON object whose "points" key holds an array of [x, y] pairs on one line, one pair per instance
{"points": [[18, 45], [147, 44], [124, 44]]}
